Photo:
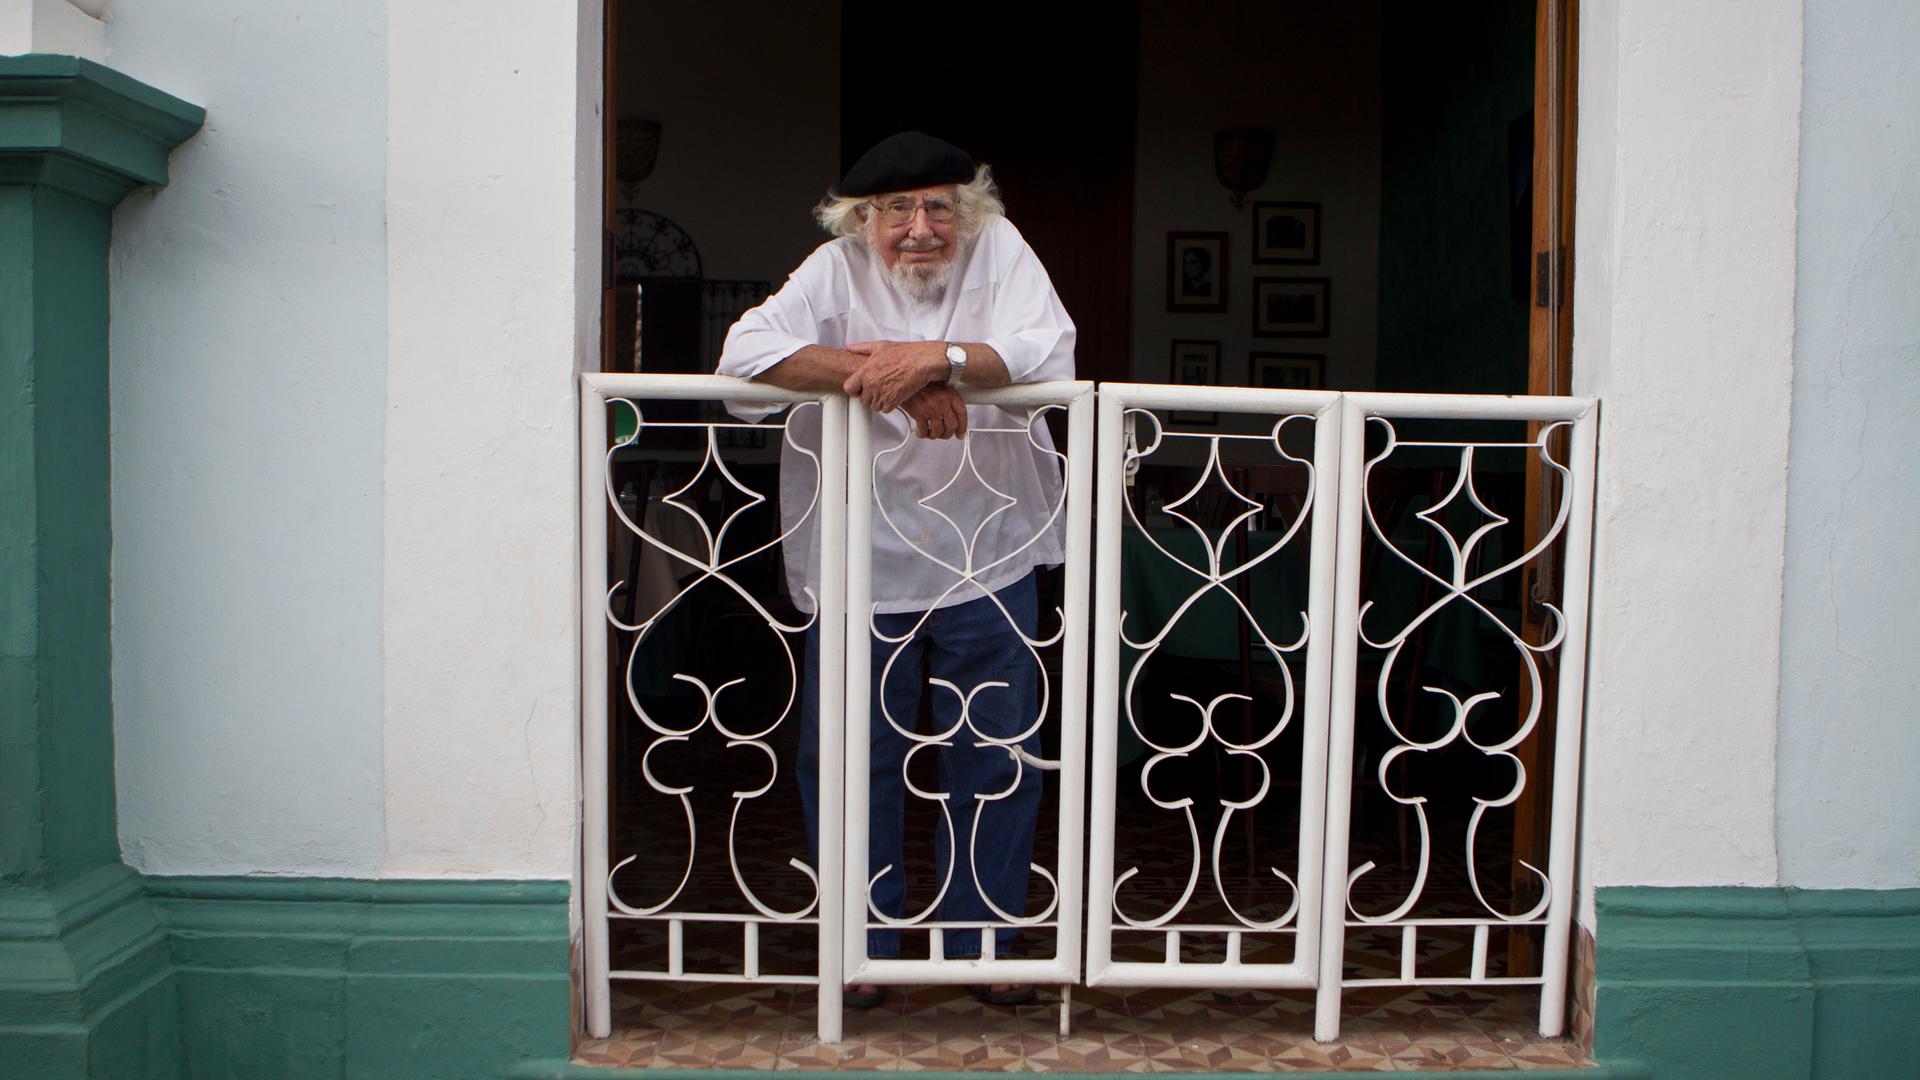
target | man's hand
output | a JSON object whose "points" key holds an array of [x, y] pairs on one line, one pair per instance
{"points": [[937, 412], [894, 371]]}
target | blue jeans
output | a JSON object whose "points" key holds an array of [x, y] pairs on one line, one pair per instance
{"points": [[967, 644]]}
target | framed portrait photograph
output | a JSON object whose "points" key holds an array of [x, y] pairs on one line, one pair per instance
{"points": [[1286, 233], [1288, 371], [1197, 271], [1194, 363], [1291, 307]]}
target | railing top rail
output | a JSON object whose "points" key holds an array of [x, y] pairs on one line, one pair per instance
{"points": [[1472, 406], [1219, 398], [1201, 398], [690, 387], [1023, 394], [701, 387]]}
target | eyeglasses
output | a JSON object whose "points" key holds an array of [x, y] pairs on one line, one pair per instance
{"points": [[901, 210]]}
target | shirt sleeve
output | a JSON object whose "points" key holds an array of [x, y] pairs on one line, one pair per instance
{"points": [[782, 325], [1030, 327]]}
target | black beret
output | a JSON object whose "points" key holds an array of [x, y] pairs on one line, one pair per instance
{"points": [[905, 162]]}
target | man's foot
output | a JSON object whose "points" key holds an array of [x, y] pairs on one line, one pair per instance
{"points": [[1003, 993], [864, 996]]}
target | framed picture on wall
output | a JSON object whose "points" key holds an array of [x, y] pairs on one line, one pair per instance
{"points": [[1286, 233], [1197, 271], [1291, 307], [1288, 371], [1195, 363]]}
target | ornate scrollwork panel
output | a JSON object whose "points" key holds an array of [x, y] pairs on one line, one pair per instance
{"points": [[711, 668], [1214, 624]]}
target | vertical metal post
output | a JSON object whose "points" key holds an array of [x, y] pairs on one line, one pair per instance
{"points": [[1568, 713], [1346, 638], [596, 958], [1106, 684], [1327, 473], [857, 716], [831, 679], [1073, 664]]}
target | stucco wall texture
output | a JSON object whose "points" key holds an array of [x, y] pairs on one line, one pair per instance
{"points": [[249, 356], [1849, 688], [492, 268], [1683, 326]]}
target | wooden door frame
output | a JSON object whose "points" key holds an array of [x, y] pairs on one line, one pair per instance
{"points": [[609, 160], [1549, 372]]}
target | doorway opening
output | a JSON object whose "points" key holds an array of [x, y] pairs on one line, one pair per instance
{"points": [[1349, 197]]}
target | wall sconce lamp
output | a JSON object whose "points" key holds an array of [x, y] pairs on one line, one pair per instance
{"points": [[1241, 158]]}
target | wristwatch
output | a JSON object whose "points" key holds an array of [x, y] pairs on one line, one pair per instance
{"points": [[956, 363]]}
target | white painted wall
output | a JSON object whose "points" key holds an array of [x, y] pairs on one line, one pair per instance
{"points": [[492, 299], [1193, 81], [1683, 324], [249, 348], [1849, 688]]}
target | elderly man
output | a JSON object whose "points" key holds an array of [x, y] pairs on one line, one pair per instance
{"points": [[928, 286]]}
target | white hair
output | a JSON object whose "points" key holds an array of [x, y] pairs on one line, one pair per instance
{"points": [[977, 200]]}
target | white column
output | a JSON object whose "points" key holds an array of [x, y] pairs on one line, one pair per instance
{"points": [[1683, 324], [493, 148]]}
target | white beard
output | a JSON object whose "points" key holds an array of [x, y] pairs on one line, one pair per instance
{"points": [[919, 282], [922, 282]]}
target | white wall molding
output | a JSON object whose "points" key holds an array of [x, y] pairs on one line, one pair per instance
{"points": [[1683, 324], [493, 287]]}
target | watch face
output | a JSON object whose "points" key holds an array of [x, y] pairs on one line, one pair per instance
{"points": [[956, 355]]}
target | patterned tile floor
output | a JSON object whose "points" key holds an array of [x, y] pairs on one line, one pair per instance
{"points": [[942, 1029]]}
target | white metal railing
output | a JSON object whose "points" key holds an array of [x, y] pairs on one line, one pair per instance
{"points": [[1292, 479]]}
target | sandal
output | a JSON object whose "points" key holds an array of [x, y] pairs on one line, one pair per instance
{"points": [[863, 997], [1014, 994]]}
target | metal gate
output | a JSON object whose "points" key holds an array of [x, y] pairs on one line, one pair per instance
{"points": [[1214, 513], [1259, 677], [967, 563]]}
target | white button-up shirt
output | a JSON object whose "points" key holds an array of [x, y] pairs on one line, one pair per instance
{"points": [[999, 294]]}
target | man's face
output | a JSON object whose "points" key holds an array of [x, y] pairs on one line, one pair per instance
{"points": [[1194, 262], [921, 247]]}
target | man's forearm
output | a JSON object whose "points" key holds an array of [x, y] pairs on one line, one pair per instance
{"points": [[984, 365], [815, 367]]}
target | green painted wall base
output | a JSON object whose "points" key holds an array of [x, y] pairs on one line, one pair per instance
{"points": [[1711, 984], [304, 977], [118, 978]]}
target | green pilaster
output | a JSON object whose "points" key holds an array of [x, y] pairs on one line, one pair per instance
{"points": [[85, 987]]}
